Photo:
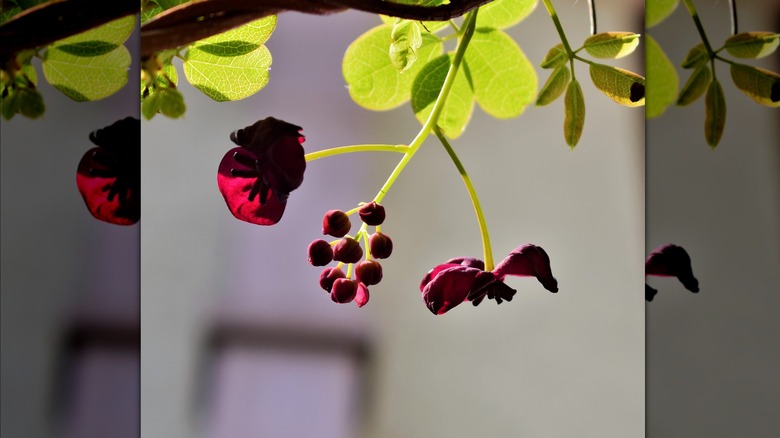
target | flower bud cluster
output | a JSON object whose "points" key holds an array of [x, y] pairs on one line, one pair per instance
{"points": [[353, 285]]}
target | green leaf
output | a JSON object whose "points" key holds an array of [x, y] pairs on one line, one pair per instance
{"points": [[374, 83], [715, 113], [752, 45], [150, 105], [87, 48], [624, 87], [238, 41], [662, 81], [405, 41], [574, 110], [555, 85], [696, 57], [501, 14], [31, 103], [611, 45], [27, 4], [112, 33], [30, 74], [8, 13], [460, 101], [759, 84], [86, 79], [503, 79], [428, 26], [172, 103], [657, 10], [227, 78], [10, 105], [696, 86], [167, 4], [555, 57], [150, 11]]}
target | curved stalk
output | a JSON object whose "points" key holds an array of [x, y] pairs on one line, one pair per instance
{"points": [[311, 156]]}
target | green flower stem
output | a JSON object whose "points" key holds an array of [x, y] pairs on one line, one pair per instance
{"points": [[558, 27], [483, 229], [468, 26], [311, 156], [699, 27]]}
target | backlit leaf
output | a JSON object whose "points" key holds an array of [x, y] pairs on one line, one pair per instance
{"points": [[555, 57], [657, 10], [759, 84], [696, 57], [696, 86], [374, 83], [574, 110], [503, 79], [611, 45], [428, 26], [87, 78], [752, 45], [501, 14], [460, 101], [715, 113], [112, 33], [624, 87], [555, 86], [405, 41], [662, 81], [238, 41], [227, 78]]}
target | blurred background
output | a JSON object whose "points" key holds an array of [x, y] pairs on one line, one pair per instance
{"points": [[70, 301], [239, 340], [712, 358]]}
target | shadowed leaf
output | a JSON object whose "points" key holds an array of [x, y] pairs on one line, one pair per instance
{"points": [[555, 86], [555, 57], [752, 45], [696, 86], [662, 81], [715, 113], [460, 101], [624, 87], [574, 110], [696, 57], [657, 10], [759, 84], [611, 45]]}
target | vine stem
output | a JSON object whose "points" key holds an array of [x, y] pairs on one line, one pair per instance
{"points": [[699, 27], [468, 25], [311, 156], [554, 15], [487, 251]]}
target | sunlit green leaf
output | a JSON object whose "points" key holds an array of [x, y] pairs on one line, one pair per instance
{"points": [[87, 48], [555, 86], [112, 33], [715, 113], [150, 105], [374, 83], [752, 45], [238, 41], [405, 41], [611, 45], [759, 84], [503, 79], [90, 78], [657, 10], [555, 57], [501, 14], [428, 26], [662, 81], [227, 78], [624, 87], [696, 86], [460, 100], [172, 104], [696, 57], [574, 110]]}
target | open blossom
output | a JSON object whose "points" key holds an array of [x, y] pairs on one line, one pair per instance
{"points": [[109, 175], [464, 279], [257, 177], [670, 261]]}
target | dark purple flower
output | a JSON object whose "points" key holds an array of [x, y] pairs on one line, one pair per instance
{"points": [[257, 177], [464, 279], [328, 276], [670, 261], [348, 250], [372, 214], [380, 246], [320, 253], [344, 290], [336, 223], [368, 272], [109, 175]]}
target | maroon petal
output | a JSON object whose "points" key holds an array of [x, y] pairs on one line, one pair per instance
{"points": [[111, 194], [236, 190], [284, 164], [448, 287], [344, 290], [528, 261], [468, 261], [361, 298], [672, 261], [434, 272]]}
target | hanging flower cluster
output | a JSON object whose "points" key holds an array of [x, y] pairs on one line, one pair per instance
{"points": [[670, 261]]}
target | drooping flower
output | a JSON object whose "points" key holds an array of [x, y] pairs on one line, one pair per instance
{"points": [[336, 223], [464, 279], [109, 175], [257, 177], [670, 261]]}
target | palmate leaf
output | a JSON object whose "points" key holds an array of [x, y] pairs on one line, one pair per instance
{"points": [[715, 113], [759, 84], [460, 101], [501, 14], [86, 78], [657, 10], [611, 45], [374, 83], [503, 79], [624, 87], [662, 81], [752, 45]]}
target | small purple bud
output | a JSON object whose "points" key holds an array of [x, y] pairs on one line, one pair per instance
{"points": [[336, 223], [320, 253], [348, 250], [329, 276], [368, 272], [380, 245], [361, 297], [372, 214], [344, 290]]}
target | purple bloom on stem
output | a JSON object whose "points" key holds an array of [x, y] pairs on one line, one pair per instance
{"points": [[361, 297], [257, 177], [670, 261]]}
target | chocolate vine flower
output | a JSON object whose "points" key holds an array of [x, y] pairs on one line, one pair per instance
{"points": [[670, 261], [464, 279], [109, 175], [257, 177]]}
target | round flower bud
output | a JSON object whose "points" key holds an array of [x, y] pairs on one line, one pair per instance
{"points": [[361, 297], [348, 250], [368, 272], [380, 246], [344, 290], [320, 253], [372, 214], [336, 223], [329, 276]]}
